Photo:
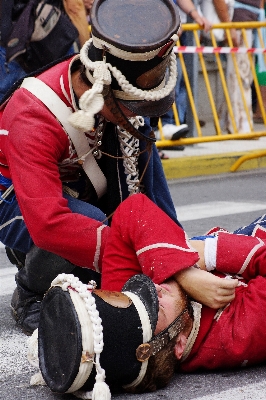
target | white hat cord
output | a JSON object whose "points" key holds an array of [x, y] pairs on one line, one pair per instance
{"points": [[92, 101], [101, 390], [148, 95], [128, 55]]}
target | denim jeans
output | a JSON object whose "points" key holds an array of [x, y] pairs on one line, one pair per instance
{"points": [[180, 93]]}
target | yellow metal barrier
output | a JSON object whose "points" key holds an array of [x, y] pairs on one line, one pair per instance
{"points": [[218, 133], [247, 157]]}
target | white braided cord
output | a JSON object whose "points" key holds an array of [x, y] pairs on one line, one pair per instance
{"points": [[128, 55], [148, 95], [129, 146], [137, 94], [66, 280], [91, 102], [87, 354]]}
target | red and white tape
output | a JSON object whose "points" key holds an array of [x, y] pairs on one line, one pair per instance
{"points": [[212, 50]]}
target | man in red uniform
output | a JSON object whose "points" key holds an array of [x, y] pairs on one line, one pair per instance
{"points": [[228, 331], [73, 146], [227, 274]]}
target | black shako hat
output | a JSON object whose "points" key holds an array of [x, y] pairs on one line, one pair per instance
{"points": [[131, 50], [87, 335]]}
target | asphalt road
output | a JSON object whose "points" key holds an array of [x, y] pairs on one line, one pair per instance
{"points": [[230, 201]]}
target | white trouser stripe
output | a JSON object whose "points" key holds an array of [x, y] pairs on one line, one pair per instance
{"points": [[10, 221]]}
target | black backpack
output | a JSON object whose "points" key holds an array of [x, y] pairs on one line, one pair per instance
{"points": [[35, 33]]}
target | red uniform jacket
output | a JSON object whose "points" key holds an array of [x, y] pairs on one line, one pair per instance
{"points": [[37, 156], [151, 243]]}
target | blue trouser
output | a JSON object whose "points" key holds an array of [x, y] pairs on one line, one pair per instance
{"points": [[244, 230], [13, 231], [247, 230], [14, 234]]}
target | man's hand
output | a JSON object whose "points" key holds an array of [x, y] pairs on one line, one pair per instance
{"points": [[75, 9], [207, 288], [202, 21]]}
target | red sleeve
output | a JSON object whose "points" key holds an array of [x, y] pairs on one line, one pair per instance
{"points": [[35, 145], [240, 254], [145, 240]]}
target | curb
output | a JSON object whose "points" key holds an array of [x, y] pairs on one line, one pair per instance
{"points": [[185, 167]]}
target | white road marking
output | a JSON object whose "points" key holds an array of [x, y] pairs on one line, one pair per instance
{"points": [[216, 209]]}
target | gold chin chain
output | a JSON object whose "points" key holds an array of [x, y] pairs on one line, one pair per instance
{"points": [[97, 134]]}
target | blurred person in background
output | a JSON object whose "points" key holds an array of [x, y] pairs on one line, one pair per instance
{"points": [[37, 47], [172, 131], [244, 11]]}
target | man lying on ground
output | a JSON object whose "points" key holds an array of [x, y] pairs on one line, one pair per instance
{"points": [[228, 329], [228, 279]]}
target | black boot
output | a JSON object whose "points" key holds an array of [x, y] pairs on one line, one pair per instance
{"points": [[25, 309], [34, 279], [25, 305]]}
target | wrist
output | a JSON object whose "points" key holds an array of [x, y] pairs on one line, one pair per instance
{"points": [[183, 277], [191, 12]]}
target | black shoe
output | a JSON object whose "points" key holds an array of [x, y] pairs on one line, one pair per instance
{"points": [[25, 309], [175, 132], [177, 148], [181, 133]]}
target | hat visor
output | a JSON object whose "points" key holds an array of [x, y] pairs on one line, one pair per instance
{"points": [[150, 108], [144, 288]]}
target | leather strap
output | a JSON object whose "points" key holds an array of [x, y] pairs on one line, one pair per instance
{"points": [[60, 110], [113, 106]]}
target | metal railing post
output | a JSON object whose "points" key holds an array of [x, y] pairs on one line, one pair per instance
{"points": [[192, 65]]}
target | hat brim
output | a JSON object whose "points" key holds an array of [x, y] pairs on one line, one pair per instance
{"points": [[144, 288], [155, 108]]}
